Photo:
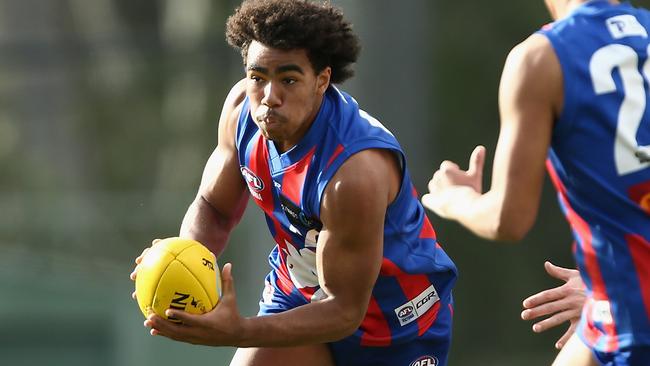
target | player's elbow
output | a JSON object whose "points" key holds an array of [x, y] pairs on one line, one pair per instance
{"points": [[351, 321], [348, 320], [513, 227], [510, 233], [513, 223]]}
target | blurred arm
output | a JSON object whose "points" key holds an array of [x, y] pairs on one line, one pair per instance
{"points": [[530, 96], [222, 195]]}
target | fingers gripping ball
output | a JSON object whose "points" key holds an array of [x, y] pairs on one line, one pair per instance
{"points": [[178, 274]]}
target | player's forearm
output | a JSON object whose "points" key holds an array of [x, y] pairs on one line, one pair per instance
{"points": [[202, 222], [490, 216], [318, 322]]}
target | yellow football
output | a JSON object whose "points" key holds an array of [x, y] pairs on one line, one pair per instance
{"points": [[178, 273]]}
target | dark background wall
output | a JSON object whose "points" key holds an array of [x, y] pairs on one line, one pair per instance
{"points": [[108, 112]]}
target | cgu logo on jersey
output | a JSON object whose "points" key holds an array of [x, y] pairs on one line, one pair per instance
{"points": [[418, 306], [255, 184], [425, 361]]}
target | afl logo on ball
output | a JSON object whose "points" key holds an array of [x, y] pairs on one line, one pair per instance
{"points": [[254, 183], [425, 361]]}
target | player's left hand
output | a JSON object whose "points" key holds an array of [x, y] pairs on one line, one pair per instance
{"points": [[562, 303], [138, 260], [223, 326], [450, 186]]}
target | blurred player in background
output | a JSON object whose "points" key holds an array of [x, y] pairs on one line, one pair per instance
{"points": [[575, 95], [357, 276]]}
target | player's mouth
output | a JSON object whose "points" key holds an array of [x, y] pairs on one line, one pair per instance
{"points": [[269, 118]]}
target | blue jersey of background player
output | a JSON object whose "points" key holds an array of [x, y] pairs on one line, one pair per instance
{"points": [[358, 278], [599, 162], [577, 91], [409, 315]]}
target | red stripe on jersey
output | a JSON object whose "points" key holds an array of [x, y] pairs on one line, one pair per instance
{"points": [[640, 250], [555, 178], [412, 286], [414, 192], [285, 285], [258, 163], [581, 227], [599, 291], [284, 282], [335, 154], [427, 231], [294, 178], [375, 320]]}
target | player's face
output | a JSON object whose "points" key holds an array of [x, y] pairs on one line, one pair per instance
{"points": [[285, 92]]}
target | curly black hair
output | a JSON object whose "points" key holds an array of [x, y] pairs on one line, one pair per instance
{"points": [[319, 28]]}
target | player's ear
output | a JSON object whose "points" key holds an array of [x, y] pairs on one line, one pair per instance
{"points": [[323, 80]]}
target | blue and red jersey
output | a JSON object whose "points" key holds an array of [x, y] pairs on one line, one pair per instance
{"points": [[599, 162], [413, 292]]}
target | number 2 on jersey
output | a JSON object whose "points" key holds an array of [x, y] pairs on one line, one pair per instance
{"points": [[628, 155]]}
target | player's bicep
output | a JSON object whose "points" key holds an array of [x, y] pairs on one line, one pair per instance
{"points": [[353, 210], [221, 184], [528, 97]]}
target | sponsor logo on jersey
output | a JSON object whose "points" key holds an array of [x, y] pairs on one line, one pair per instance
{"points": [[417, 306], [296, 216], [625, 25], [425, 361]]}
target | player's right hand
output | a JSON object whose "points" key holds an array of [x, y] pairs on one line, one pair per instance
{"points": [[560, 304], [138, 259], [451, 187], [222, 326]]}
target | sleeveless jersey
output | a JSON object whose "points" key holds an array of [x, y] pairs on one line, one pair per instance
{"points": [[413, 291], [599, 161]]}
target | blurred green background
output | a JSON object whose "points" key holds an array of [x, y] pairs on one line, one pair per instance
{"points": [[108, 112]]}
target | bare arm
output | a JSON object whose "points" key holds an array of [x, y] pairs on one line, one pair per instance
{"points": [[222, 195], [530, 96], [349, 253]]}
